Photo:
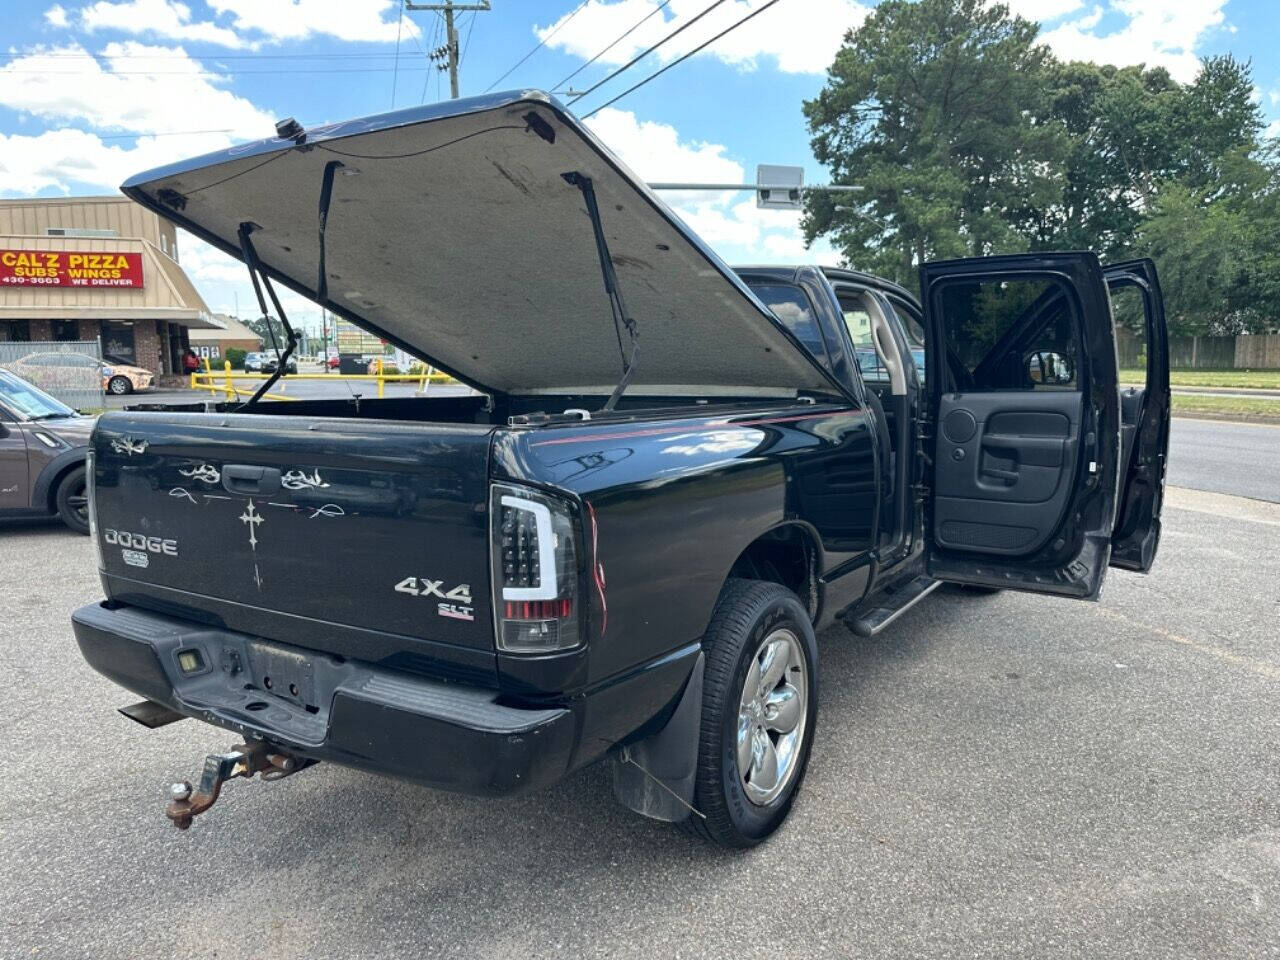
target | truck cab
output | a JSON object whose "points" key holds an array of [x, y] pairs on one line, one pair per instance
{"points": [[995, 481]]}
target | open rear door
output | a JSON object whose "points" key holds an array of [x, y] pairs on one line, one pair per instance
{"points": [[1023, 393], [1138, 308]]}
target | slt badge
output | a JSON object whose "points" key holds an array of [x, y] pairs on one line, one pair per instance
{"points": [[454, 603]]}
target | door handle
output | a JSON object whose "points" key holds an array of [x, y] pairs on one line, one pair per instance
{"points": [[247, 478], [1010, 475]]}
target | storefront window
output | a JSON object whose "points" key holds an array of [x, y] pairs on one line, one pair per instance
{"points": [[117, 340], [66, 330], [16, 331]]}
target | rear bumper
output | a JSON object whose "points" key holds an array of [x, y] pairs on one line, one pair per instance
{"points": [[443, 735]]}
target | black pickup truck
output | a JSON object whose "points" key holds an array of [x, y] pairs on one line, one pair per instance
{"points": [[669, 477]]}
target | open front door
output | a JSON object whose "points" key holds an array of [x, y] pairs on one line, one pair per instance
{"points": [[1138, 308], [1023, 394]]}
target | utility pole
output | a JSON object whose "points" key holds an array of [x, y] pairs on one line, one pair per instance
{"points": [[451, 34]]}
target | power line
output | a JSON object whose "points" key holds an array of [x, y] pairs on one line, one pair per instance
{"points": [[395, 74], [617, 40], [167, 133], [435, 35], [60, 55], [466, 44], [198, 73], [644, 53], [541, 43], [702, 46], [448, 9]]}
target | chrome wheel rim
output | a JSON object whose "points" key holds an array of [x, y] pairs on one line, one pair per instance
{"points": [[771, 717]]}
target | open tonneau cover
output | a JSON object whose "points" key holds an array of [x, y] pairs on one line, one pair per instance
{"points": [[453, 232]]}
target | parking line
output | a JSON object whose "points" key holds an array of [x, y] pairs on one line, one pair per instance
{"points": [[1268, 670]]}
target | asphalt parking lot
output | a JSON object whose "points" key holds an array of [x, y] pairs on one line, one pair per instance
{"points": [[992, 776]]}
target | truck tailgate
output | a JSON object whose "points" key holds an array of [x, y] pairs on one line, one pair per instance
{"points": [[362, 538]]}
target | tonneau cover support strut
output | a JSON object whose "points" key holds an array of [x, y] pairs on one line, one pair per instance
{"points": [[255, 272], [621, 318]]}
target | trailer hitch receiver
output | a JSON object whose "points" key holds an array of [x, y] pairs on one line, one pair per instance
{"points": [[243, 760]]}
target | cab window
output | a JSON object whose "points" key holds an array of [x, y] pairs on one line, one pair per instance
{"points": [[1129, 310], [858, 322], [791, 305]]}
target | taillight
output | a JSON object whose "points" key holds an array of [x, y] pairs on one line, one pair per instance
{"points": [[535, 571]]}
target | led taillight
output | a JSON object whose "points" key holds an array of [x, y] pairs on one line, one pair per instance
{"points": [[535, 570]]}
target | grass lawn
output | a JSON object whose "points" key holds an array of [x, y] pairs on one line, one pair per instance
{"points": [[1260, 409], [1255, 379]]}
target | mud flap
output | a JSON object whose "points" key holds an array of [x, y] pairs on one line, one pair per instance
{"points": [[655, 777]]}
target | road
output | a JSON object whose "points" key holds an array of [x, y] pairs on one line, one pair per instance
{"points": [[992, 777], [1242, 459]]}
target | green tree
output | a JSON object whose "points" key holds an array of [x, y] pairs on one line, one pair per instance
{"points": [[940, 110], [1133, 131], [266, 328], [1216, 243]]}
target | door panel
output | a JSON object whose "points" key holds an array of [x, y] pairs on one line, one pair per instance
{"points": [[14, 491], [1022, 387], [1144, 427]]}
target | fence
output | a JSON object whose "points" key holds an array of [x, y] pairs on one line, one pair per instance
{"points": [[70, 370], [1245, 352], [233, 384]]}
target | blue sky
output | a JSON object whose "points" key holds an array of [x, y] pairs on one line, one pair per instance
{"points": [[91, 92]]}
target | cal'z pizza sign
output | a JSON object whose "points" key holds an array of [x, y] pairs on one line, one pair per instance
{"points": [[61, 268]]}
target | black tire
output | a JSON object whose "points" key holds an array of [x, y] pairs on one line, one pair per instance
{"points": [[119, 386], [73, 501], [747, 613]]}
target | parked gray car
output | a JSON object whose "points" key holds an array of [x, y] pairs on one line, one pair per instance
{"points": [[43, 446]]}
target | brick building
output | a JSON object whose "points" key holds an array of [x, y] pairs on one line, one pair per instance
{"points": [[97, 268], [214, 344]]}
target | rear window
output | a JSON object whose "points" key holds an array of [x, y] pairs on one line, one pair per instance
{"points": [[791, 305]]}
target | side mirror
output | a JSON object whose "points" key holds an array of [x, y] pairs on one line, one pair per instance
{"points": [[1049, 366]]}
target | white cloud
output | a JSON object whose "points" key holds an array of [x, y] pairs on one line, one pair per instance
{"points": [[223, 281], [1157, 34], [138, 89], [56, 16], [1043, 10], [352, 20], [133, 89], [733, 226], [250, 23], [165, 18], [801, 38]]}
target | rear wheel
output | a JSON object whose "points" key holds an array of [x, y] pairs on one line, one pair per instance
{"points": [[759, 710], [119, 386], [73, 500]]}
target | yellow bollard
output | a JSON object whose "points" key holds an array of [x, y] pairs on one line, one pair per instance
{"points": [[231, 390], [381, 382]]}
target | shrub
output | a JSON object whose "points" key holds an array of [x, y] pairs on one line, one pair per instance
{"points": [[236, 356]]}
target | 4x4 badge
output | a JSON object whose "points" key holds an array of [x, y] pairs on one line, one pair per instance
{"points": [[454, 602]]}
